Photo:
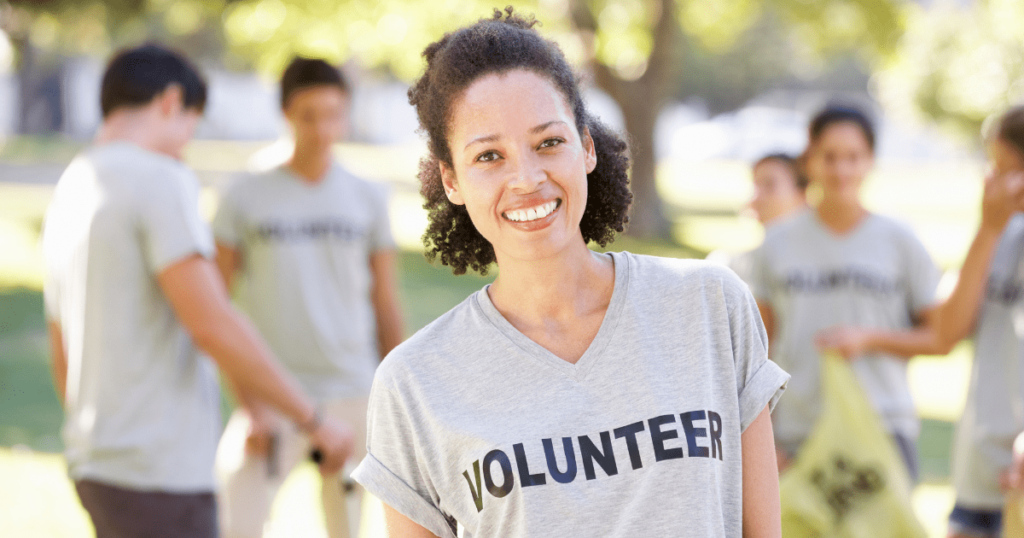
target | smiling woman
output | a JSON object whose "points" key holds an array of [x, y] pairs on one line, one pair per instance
{"points": [[581, 393]]}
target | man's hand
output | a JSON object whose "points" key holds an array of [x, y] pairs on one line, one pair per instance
{"points": [[850, 342], [262, 428], [334, 440], [1003, 196]]}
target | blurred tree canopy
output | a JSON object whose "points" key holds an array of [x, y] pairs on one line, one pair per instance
{"points": [[636, 50], [957, 64]]}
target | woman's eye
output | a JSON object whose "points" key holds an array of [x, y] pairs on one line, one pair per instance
{"points": [[551, 142], [487, 157]]}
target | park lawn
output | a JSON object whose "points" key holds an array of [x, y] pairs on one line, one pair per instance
{"points": [[38, 495]]}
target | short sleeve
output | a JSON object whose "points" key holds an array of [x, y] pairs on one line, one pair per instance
{"points": [[228, 227], [393, 469], [380, 233], [759, 381], [922, 275], [169, 220]]}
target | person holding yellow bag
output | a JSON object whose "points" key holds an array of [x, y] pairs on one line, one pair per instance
{"points": [[838, 264], [988, 301]]}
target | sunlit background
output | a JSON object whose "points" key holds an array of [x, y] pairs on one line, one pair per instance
{"points": [[702, 88]]}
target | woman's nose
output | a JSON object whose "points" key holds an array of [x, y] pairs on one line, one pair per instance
{"points": [[526, 174]]}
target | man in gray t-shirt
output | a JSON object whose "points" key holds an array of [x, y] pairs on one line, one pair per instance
{"points": [[472, 424], [130, 293], [311, 246]]}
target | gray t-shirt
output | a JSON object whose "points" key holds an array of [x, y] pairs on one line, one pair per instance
{"points": [[878, 275], [994, 414], [142, 405], [305, 276], [472, 422]]}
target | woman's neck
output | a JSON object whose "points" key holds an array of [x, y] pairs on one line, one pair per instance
{"points": [[840, 216], [531, 293], [310, 165]]}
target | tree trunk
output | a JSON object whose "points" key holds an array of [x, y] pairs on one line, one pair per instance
{"points": [[647, 218], [640, 101]]}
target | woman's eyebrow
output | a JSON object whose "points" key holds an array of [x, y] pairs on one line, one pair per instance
{"points": [[534, 130], [543, 126], [488, 138]]}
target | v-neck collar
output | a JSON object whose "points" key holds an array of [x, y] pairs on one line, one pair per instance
{"points": [[312, 186], [592, 355], [857, 229]]}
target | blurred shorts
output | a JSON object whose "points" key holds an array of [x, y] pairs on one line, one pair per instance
{"points": [[127, 513], [908, 451], [976, 523]]}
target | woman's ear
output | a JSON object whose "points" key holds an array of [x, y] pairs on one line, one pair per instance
{"points": [[451, 185], [590, 159]]}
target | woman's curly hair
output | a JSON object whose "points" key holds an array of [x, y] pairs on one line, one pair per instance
{"points": [[505, 42]]}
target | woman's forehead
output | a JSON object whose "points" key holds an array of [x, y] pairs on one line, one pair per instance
{"points": [[504, 102], [842, 133]]}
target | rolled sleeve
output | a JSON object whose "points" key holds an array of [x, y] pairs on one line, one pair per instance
{"points": [[759, 381], [396, 493], [765, 387]]}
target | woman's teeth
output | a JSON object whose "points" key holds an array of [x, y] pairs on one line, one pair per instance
{"points": [[533, 213]]}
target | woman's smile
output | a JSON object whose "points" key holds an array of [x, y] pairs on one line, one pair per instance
{"points": [[532, 214]]}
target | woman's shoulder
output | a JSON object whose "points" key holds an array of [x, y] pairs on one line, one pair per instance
{"points": [[660, 275], [436, 350]]}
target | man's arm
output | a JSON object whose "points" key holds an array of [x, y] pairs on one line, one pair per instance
{"points": [[943, 326], [762, 510], [922, 339], [196, 293], [385, 301], [229, 261], [58, 360]]}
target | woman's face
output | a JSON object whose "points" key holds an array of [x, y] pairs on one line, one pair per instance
{"points": [[775, 191], [1004, 158], [519, 165], [839, 160]]}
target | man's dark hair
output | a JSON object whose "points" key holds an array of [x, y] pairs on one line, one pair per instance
{"points": [[833, 114], [790, 162], [1010, 128], [502, 43], [135, 76], [303, 73]]}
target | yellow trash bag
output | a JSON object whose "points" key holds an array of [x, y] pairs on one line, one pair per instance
{"points": [[848, 481]]}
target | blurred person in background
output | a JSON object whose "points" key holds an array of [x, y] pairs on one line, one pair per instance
{"points": [[780, 191], [988, 301], [312, 249], [780, 188], [132, 294], [840, 265], [984, 467]]}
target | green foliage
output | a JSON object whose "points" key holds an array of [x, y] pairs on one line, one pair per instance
{"points": [[958, 65], [387, 34], [97, 27]]}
